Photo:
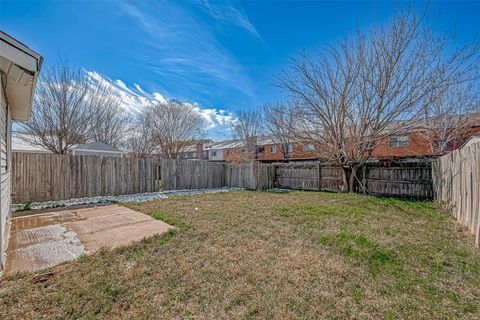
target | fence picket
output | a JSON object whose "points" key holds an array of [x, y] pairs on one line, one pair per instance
{"points": [[457, 186]]}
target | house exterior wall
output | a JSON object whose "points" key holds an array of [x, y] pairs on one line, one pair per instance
{"points": [[5, 172], [417, 146], [215, 154], [297, 153], [235, 155]]}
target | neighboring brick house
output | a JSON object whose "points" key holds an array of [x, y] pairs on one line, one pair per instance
{"points": [[414, 144], [267, 151], [297, 152], [406, 145], [411, 144]]}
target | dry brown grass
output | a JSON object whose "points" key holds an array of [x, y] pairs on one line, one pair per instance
{"points": [[265, 255]]}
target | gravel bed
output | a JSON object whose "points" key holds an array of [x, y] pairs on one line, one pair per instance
{"points": [[139, 197]]}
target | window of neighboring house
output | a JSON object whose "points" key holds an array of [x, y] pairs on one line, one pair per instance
{"points": [[273, 149], [398, 141], [308, 147], [214, 153], [290, 148], [261, 149]]}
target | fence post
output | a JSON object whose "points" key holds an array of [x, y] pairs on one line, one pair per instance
{"points": [[256, 170], [364, 178], [274, 175], [319, 176]]}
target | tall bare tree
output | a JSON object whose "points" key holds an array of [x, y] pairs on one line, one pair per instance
{"points": [[279, 118], [174, 126], [139, 142], [369, 87], [61, 109], [449, 120], [246, 127], [70, 109], [109, 121]]}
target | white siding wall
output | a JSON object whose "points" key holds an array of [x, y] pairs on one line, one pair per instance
{"points": [[215, 154], [5, 169]]}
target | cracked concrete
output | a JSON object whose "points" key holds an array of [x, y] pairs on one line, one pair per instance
{"points": [[40, 241]]}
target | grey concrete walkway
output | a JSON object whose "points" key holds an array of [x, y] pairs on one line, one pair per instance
{"points": [[44, 240]]}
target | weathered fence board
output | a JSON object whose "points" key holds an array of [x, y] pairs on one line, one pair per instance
{"points": [[309, 177], [179, 174], [404, 180], [300, 176], [242, 175], [457, 186], [266, 176], [413, 180], [45, 177]]}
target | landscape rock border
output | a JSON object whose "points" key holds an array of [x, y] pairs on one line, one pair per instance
{"points": [[139, 197]]}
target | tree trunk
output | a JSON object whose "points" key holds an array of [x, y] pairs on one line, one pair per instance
{"points": [[350, 178]]}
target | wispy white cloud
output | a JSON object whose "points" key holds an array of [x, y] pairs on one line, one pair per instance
{"points": [[136, 99], [228, 13], [183, 48]]}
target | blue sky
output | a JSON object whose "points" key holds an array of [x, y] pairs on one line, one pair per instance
{"points": [[220, 55]]}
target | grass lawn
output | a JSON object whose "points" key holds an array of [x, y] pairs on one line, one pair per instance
{"points": [[247, 255]]}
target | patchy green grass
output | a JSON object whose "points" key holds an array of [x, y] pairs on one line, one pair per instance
{"points": [[360, 249], [248, 255], [171, 220]]}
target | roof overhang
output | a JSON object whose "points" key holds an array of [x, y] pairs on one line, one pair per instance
{"points": [[21, 66]]}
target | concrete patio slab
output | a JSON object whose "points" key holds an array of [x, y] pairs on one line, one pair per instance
{"points": [[44, 240]]}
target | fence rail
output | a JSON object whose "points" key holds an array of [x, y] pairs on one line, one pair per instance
{"points": [[457, 186], [44, 177]]}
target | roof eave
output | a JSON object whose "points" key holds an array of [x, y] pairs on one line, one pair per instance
{"points": [[21, 66]]}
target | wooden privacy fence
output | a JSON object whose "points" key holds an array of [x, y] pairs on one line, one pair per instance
{"points": [[192, 174], [186, 174], [409, 180], [309, 177], [45, 177], [457, 186]]}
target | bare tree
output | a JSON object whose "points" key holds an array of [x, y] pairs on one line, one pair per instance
{"points": [[61, 109], [70, 109], [372, 86], [174, 126], [246, 127], [279, 124], [448, 121], [109, 121], [139, 142]]}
